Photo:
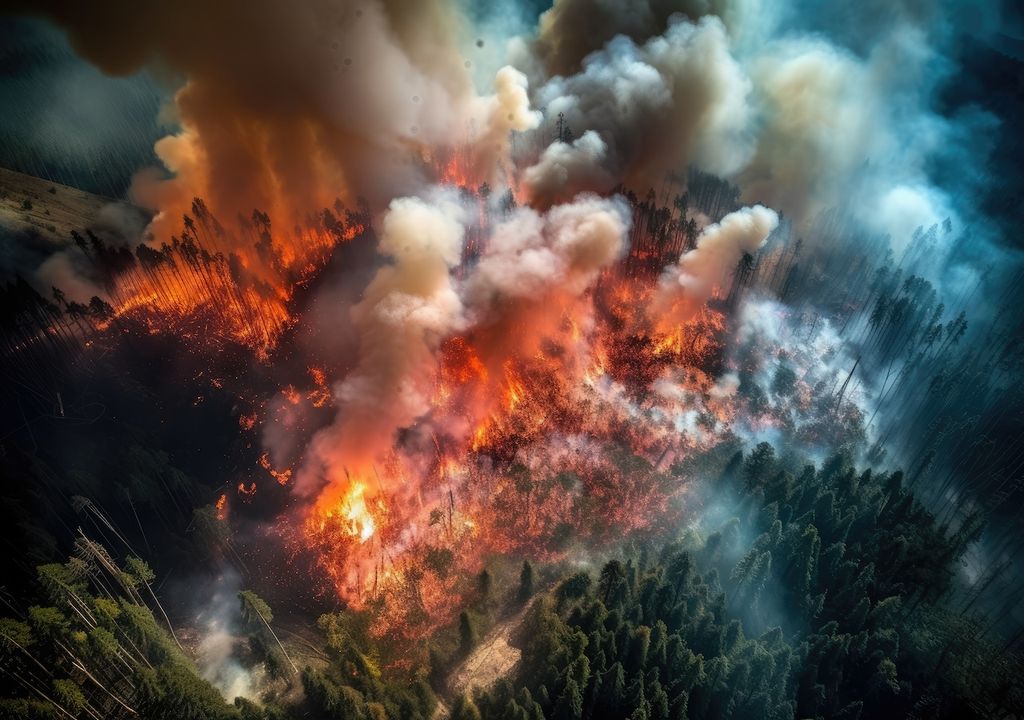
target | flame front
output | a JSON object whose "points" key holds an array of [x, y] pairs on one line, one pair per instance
{"points": [[348, 515]]}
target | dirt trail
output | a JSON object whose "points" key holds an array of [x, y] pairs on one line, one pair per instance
{"points": [[493, 658]]}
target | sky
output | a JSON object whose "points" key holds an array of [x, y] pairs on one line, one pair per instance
{"points": [[64, 120]]}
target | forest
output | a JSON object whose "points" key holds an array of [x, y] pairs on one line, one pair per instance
{"points": [[511, 360], [798, 589]]}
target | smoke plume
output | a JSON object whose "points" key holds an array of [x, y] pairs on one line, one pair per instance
{"points": [[685, 287], [566, 169], [408, 308], [285, 107], [678, 98]]}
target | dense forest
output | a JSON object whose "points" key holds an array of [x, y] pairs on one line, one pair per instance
{"points": [[806, 592]]}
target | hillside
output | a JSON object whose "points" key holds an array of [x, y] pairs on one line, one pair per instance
{"points": [[40, 215]]}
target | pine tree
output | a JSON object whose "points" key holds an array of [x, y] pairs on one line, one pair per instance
{"points": [[467, 633], [525, 591]]}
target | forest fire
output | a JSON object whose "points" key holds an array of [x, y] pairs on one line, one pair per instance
{"points": [[529, 451], [215, 285], [503, 360], [532, 358], [502, 401], [350, 514], [526, 378]]}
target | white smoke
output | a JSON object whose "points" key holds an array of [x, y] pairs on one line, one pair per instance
{"points": [[506, 111], [565, 169], [839, 131], [407, 309], [685, 287], [217, 658], [530, 254]]}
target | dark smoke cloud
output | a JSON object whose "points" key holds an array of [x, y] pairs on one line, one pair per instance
{"points": [[284, 106], [806, 109], [680, 97], [573, 29]]}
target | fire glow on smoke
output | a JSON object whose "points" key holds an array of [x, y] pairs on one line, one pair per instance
{"points": [[525, 379], [543, 340]]}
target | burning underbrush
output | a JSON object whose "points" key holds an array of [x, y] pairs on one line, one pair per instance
{"points": [[525, 383], [560, 453], [216, 285], [528, 382], [535, 455]]}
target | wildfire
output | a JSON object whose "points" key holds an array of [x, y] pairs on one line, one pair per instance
{"points": [[558, 442], [519, 450], [515, 390], [215, 284], [282, 476], [501, 447], [349, 514], [455, 170], [362, 524]]}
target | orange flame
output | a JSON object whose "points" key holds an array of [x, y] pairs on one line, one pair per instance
{"points": [[282, 476], [350, 514]]}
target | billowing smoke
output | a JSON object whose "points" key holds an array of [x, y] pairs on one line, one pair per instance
{"points": [[284, 108], [677, 98], [506, 112], [530, 254], [535, 269], [218, 650], [573, 29], [842, 113], [685, 287], [566, 169], [530, 286], [842, 131], [407, 309]]}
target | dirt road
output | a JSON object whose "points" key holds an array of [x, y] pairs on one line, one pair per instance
{"points": [[493, 658]]}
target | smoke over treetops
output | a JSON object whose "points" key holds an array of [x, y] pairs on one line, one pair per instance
{"points": [[655, 228]]}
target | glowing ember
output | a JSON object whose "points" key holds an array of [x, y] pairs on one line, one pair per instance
{"points": [[246, 491], [282, 476]]}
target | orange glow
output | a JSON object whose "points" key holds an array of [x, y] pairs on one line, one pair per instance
{"points": [[291, 395], [320, 395], [577, 434], [456, 170], [516, 445], [247, 491], [213, 285], [282, 476], [349, 514]]}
